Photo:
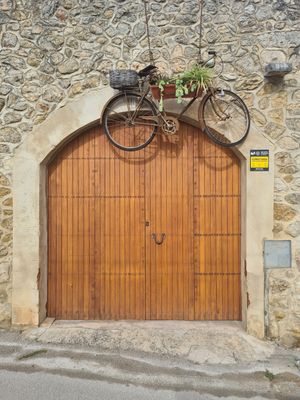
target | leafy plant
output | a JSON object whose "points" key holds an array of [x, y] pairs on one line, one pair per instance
{"points": [[32, 354], [195, 79], [269, 375], [181, 89], [198, 77], [161, 84]]}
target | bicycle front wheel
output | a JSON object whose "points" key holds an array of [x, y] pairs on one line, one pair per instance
{"points": [[225, 117], [130, 121]]}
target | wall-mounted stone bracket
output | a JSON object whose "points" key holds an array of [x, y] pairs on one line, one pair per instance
{"points": [[277, 70]]}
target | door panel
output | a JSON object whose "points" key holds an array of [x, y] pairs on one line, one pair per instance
{"points": [[170, 277], [216, 232], [96, 232]]}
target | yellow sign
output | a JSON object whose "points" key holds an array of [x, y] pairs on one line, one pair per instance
{"points": [[259, 160]]}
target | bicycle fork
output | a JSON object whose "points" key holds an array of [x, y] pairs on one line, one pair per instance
{"points": [[217, 109]]}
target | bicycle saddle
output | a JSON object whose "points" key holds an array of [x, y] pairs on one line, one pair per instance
{"points": [[146, 71]]}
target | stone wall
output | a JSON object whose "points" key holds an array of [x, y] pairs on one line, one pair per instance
{"points": [[54, 50]]}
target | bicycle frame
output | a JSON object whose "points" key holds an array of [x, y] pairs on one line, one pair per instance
{"points": [[160, 115]]}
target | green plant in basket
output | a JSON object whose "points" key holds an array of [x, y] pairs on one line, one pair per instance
{"points": [[195, 80], [162, 81], [198, 77], [181, 89]]}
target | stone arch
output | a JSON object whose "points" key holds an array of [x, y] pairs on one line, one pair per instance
{"points": [[29, 273]]}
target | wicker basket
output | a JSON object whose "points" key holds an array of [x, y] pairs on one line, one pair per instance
{"points": [[123, 78], [170, 92]]}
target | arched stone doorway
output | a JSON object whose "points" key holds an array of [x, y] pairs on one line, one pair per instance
{"points": [[29, 284]]}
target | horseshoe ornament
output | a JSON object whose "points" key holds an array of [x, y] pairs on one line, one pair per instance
{"points": [[162, 238]]}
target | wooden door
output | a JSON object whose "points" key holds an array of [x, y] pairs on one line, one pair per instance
{"points": [[96, 204], [105, 205]]}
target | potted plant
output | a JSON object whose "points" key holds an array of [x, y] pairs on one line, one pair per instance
{"points": [[190, 83]]}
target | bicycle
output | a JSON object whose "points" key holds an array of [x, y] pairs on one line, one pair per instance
{"points": [[132, 117]]}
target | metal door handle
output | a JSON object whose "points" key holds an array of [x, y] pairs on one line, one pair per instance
{"points": [[162, 238]]}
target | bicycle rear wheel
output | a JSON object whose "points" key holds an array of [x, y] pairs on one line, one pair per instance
{"points": [[225, 117], [129, 121]]}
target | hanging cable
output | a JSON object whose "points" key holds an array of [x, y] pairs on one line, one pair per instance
{"points": [[200, 31], [151, 58]]}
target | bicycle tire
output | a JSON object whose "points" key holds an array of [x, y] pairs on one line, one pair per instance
{"points": [[126, 134], [225, 117]]}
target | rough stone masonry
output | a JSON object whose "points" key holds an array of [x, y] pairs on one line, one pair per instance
{"points": [[53, 50]]}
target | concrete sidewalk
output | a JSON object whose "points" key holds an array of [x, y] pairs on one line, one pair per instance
{"points": [[201, 343], [212, 358]]}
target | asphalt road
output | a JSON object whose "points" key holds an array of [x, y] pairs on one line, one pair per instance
{"points": [[37, 386]]}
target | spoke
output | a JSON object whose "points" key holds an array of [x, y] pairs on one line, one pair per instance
{"points": [[239, 110], [131, 103], [233, 104], [116, 118], [116, 123], [127, 103], [224, 109], [218, 108], [118, 114]]}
